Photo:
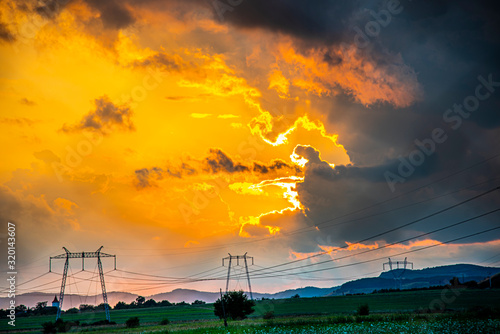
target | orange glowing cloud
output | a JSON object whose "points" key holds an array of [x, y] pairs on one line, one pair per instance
{"points": [[354, 73], [278, 82], [251, 227], [262, 125]]}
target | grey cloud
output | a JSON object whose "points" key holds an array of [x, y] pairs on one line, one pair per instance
{"points": [[106, 117], [218, 161], [275, 165], [145, 176], [347, 191]]}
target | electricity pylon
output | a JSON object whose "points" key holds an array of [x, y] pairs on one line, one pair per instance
{"points": [[244, 257], [397, 277], [83, 255]]}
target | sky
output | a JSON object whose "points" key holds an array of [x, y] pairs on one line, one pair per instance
{"points": [[325, 135]]}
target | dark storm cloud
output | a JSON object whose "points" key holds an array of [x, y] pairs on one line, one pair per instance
{"points": [[374, 174], [350, 203], [454, 48], [320, 20], [106, 117]]}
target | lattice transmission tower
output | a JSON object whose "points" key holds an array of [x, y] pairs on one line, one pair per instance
{"points": [[82, 255], [398, 275], [231, 258]]}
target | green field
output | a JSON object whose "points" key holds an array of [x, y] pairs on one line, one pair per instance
{"points": [[315, 310]]}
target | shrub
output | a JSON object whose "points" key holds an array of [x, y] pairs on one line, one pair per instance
{"points": [[59, 326], [132, 322], [268, 315], [363, 309], [164, 322], [49, 327]]}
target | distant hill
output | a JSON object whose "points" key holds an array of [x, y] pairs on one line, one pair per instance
{"points": [[70, 300], [458, 270], [409, 279], [190, 296], [421, 278]]}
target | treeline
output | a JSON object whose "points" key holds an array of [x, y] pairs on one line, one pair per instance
{"points": [[141, 302], [41, 308]]}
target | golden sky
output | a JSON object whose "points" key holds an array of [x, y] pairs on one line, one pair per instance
{"points": [[172, 137]]}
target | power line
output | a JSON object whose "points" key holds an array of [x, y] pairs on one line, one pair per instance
{"points": [[402, 253], [375, 249], [387, 231]]}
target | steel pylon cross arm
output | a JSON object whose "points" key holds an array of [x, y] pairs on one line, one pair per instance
{"points": [[82, 255], [243, 257]]}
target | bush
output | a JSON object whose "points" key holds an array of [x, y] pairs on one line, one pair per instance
{"points": [[49, 327], [236, 305], [59, 326], [132, 322], [268, 315], [164, 322], [363, 309]]}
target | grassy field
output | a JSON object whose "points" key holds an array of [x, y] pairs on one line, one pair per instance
{"points": [[190, 318]]}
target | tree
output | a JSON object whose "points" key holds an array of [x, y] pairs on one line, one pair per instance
{"points": [[40, 305], [121, 306], [100, 307], [236, 305], [86, 308], [295, 296], [164, 303], [140, 300], [198, 302], [150, 303], [21, 308]]}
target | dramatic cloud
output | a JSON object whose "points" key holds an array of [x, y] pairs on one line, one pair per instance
{"points": [[305, 126], [106, 117], [328, 192]]}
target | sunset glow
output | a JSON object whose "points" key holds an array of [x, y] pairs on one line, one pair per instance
{"points": [[172, 137]]}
